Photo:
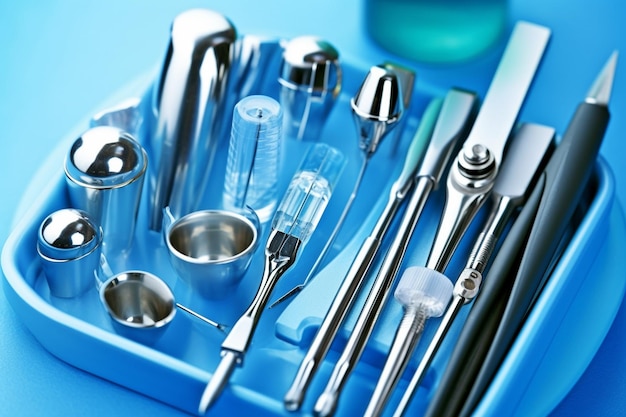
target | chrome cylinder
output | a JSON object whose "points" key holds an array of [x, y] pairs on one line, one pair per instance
{"points": [[189, 104], [69, 245], [310, 80], [104, 171]]}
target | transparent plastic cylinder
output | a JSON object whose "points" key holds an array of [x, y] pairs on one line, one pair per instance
{"points": [[252, 167]]}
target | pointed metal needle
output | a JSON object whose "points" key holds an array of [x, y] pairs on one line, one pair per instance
{"points": [[600, 91]]}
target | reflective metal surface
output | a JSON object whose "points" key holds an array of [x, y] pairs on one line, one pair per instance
{"points": [[211, 249], [455, 115], [189, 104], [310, 79], [69, 246], [140, 304], [377, 106], [104, 171]]}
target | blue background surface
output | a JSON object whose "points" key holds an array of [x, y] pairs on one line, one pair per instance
{"points": [[62, 59]]}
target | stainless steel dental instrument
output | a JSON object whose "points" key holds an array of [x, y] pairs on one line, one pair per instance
{"points": [[423, 293], [525, 157], [296, 218], [377, 108], [469, 181], [189, 99], [525, 256], [310, 82], [452, 122]]}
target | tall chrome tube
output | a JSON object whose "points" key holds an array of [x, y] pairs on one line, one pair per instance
{"points": [[189, 102]]}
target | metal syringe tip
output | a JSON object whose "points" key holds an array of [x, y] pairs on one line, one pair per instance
{"points": [[600, 91]]}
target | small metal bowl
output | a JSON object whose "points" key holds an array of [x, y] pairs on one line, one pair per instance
{"points": [[140, 304], [211, 250]]}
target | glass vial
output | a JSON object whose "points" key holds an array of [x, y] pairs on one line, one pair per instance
{"points": [[253, 156]]}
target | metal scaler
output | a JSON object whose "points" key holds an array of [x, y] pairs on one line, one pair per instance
{"points": [[423, 293], [295, 220]]}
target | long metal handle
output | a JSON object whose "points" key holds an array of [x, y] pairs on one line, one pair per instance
{"points": [[327, 402], [339, 308], [330, 326], [409, 333], [465, 289], [455, 115], [526, 156], [280, 254]]}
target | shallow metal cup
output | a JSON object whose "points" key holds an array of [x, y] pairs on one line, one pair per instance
{"points": [[69, 245], [140, 304], [211, 249]]}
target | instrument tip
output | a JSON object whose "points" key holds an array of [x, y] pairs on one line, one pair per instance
{"points": [[218, 381], [600, 91]]}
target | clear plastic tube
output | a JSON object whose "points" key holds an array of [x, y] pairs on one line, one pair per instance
{"points": [[253, 156], [309, 191]]}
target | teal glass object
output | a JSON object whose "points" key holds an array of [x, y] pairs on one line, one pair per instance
{"points": [[436, 31]]}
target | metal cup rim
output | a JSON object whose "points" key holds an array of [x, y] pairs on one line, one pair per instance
{"points": [[158, 323], [233, 214]]}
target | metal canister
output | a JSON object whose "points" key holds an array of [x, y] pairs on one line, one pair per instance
{"points": [[105, 170], [69, 245]]}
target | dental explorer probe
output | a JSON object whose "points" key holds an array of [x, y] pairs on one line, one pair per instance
{"points": [[377, 108], [534, 245], [455, 114], [525, 157], [469, 182], [295, 220]]}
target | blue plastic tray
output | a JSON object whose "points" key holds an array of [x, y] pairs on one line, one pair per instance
{"points": [[563, 333]]}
